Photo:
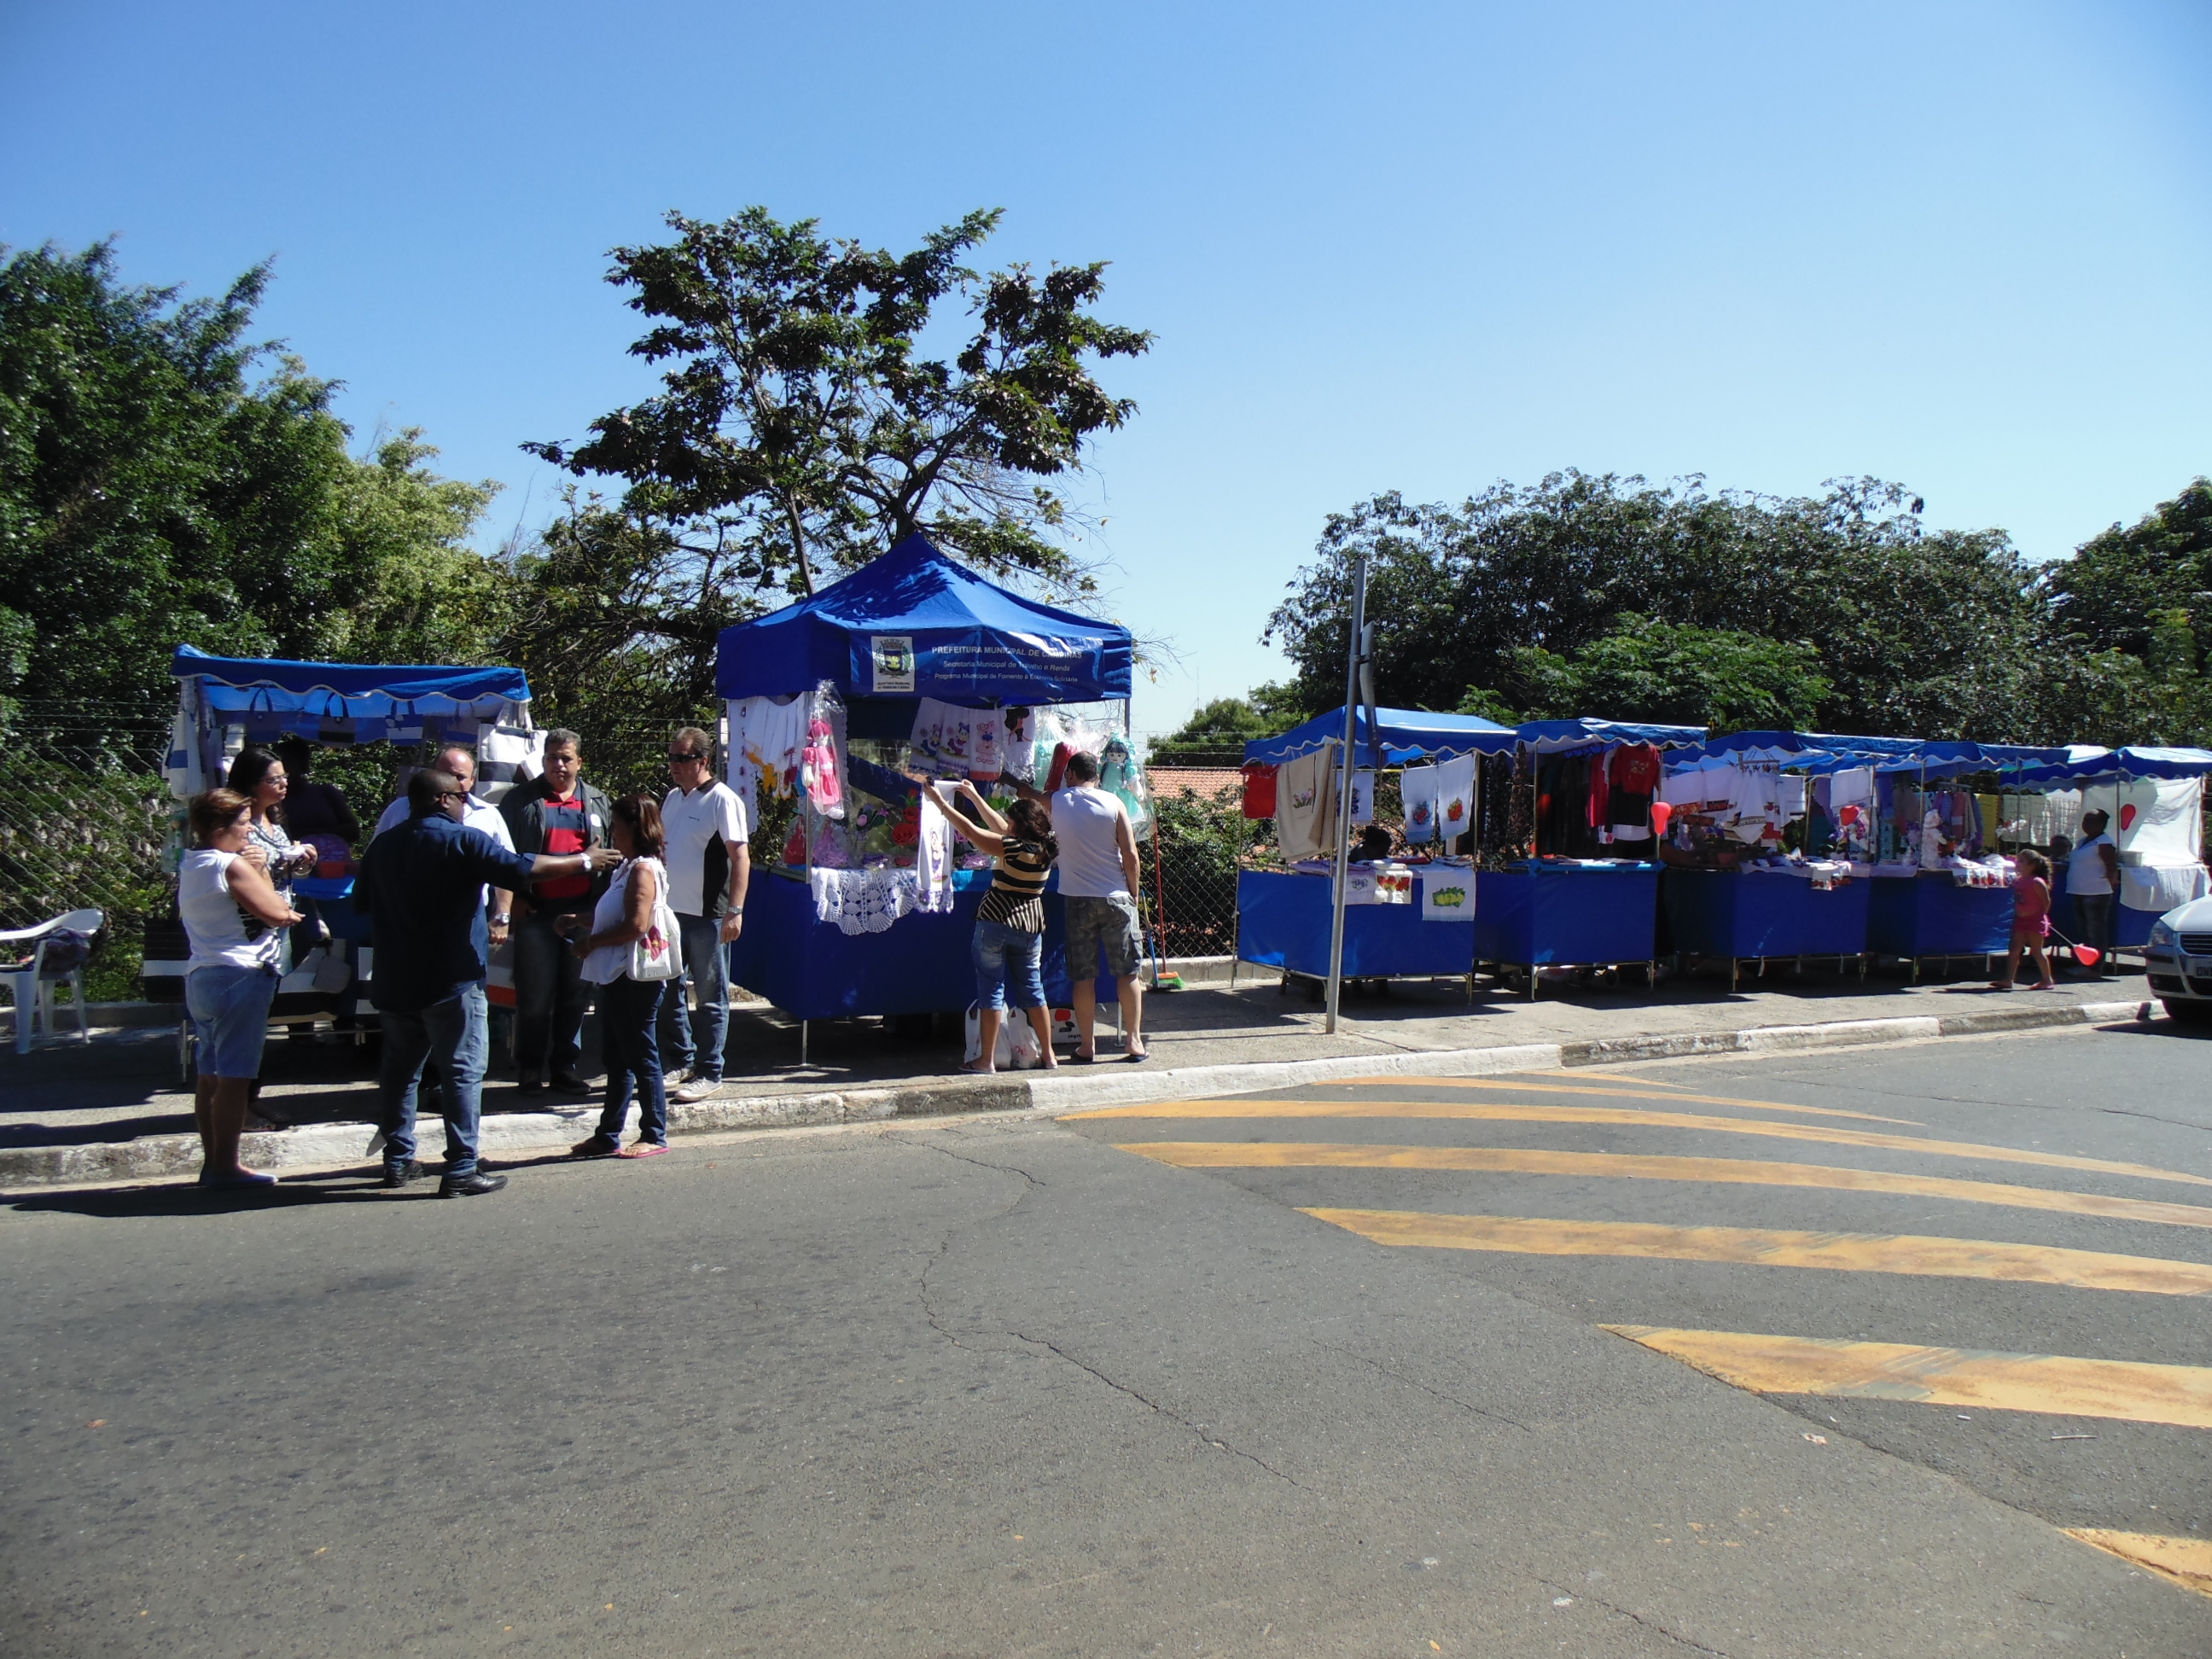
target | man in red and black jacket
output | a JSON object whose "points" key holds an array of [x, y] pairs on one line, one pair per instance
{"points": [[557, 813]]}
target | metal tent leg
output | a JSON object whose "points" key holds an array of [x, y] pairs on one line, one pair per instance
{"points": [[802, 1042]]}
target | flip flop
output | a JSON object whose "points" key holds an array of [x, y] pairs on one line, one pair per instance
{"points": [[1138, 1060]]}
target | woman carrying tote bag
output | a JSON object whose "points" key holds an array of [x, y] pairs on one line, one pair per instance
{"points": [[631, 954]]}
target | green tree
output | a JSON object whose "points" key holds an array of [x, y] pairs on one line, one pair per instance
{"points": [[1222, 727], [152, 493], [801, 406], [615, 617], [1675, 675], [1928, 632], [2109, 596], [412, 588]]}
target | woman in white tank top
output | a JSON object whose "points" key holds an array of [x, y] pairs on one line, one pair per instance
{"points": [[235, 921]]}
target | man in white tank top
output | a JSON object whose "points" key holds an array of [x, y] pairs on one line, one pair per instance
{"points": [[1098, 880]]}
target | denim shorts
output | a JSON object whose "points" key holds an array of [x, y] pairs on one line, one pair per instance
{"points": [[1107, 924], [230, 1008], [1007, 961]]}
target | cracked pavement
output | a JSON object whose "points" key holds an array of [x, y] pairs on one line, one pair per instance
{"points": [[958, 1389]]}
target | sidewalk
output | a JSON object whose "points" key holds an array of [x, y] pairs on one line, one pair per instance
{"points": [[115, 1111]]}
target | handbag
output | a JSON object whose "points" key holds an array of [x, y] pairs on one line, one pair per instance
{"points": [[660, 953]]}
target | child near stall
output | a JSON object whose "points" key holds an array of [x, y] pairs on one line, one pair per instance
{"points": [[2030, 920]]}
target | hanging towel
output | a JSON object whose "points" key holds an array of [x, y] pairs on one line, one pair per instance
{"points": [[1417, 786], [987, 757], [1455, 797], [1362, 798], [1305, 804], [1258, 790]]}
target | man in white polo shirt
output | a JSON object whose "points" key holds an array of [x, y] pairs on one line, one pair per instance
{"points": [[1098, 882], [708, 869]]}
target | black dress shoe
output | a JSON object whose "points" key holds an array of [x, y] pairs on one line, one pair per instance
{"points": [[568, 1083], [398, 1175], [529, 1086], [470, 1185]]}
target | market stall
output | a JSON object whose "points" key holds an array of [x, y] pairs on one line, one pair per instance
{"points": [[1943, 884], [226, 703], [1762, 862], [913, 665], [2155, 799], [1570, 877], [1408, 917]]}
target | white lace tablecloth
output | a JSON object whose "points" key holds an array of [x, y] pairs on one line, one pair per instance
{"points": [[870, 901]]}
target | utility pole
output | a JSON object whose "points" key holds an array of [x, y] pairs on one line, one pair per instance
{"points": [[1357, 656]]}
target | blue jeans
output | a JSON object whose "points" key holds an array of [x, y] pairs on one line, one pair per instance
{"points": [[707, 965], [550, 994], [627, 1011], [453, 1033], [1007, 961]]}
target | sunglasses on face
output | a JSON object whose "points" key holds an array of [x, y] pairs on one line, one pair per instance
{"points": [[679, 760]]}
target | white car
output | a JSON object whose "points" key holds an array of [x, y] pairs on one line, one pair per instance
{"points": [[2179, 959]]}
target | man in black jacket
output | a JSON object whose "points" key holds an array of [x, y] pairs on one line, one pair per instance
{"points": [[424, 884], [556, 814]]}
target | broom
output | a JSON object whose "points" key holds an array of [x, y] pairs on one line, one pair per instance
{"points": [[2087, 955]]}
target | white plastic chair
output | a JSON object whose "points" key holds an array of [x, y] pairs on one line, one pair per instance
{"points": [[35, 989]]}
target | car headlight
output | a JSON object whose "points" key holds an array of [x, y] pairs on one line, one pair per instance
{"points": [[2161, 933]]}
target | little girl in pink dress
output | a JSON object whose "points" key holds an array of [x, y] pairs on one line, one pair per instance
{"points": [[2030, 920]]}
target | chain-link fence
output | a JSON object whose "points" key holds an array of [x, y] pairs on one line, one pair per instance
{"points": [[83, 816]]}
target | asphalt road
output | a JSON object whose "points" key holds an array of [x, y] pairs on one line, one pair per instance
{"points": [[1004, 1388]]}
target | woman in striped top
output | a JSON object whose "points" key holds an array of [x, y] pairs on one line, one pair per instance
{"points": [[1009, 947]]}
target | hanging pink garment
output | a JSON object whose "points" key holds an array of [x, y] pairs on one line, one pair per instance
{"points": [[819, 766]]}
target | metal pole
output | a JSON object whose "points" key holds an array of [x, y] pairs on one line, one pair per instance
{"points": [[1344, 789]]}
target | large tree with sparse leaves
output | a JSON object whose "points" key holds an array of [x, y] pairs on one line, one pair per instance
{"points": [[803, 411]]}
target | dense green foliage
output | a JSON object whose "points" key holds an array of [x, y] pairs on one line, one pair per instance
{"points": [[152, 492], [1676, 675], [802, 418], [1924, 632], [1222, 727]]}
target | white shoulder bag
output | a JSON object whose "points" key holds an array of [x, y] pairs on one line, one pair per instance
{"points": [[660, 953]]}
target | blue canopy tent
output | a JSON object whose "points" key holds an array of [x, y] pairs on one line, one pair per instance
{"points": [[2154, 798], [915, 625], [1407, 734], [1284, 919], [342, 701], [1548, 912], [909, 625]]}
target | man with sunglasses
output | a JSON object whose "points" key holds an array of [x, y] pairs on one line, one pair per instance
{"points": [[708, 869]]}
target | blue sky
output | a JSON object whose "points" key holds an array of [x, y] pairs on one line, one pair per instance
{"points": [[1414, 247]]}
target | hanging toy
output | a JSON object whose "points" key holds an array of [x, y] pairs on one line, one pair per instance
{"points": [[819, 768]]}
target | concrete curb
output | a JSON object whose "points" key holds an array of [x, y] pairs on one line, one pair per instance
{"points": [[515, 1133]]}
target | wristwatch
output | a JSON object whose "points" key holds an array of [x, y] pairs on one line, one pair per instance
{"points": [[502, 922]]}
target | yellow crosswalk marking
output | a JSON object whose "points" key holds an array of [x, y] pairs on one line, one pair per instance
{"points": [[1663, 1091], [1488, 1112], [1516, 1160], [2124, 1389], [1908, 1253], [2187, 1561]]}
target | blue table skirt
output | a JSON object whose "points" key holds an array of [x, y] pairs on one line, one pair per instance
{"points": [[1931, 915], [1543, 915], [2130, 926], [1726, 913], [1283, 921], [920, 964]]}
